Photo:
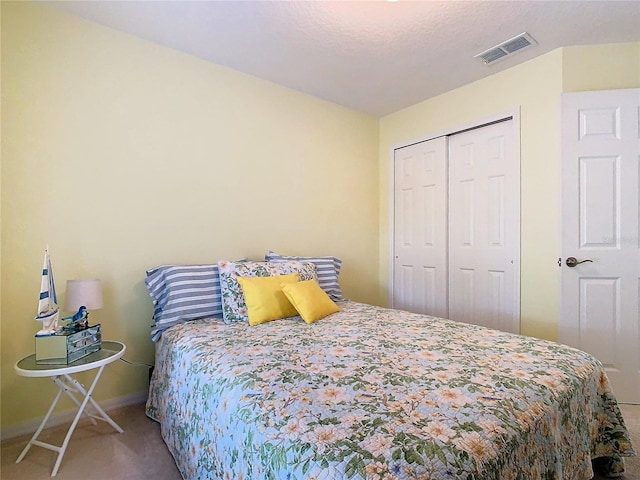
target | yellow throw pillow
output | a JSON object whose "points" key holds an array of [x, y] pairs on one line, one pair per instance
{"points": [[311, 302], [264, 298]]}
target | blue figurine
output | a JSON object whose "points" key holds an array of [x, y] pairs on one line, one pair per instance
{"points": [[79, 320]]}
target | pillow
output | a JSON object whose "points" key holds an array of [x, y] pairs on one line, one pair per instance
{"points": [[328, 269], [234, 308], [181, 293], [311, 302], [264, 298]]}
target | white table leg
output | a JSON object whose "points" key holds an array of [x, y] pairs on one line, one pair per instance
{"points": [[103, 415], [68, 389], [39, 430], [65, 387]]}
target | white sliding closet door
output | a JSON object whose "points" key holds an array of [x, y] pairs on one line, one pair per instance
{"points": [[420, 228], [484, 227], [456, 231]]}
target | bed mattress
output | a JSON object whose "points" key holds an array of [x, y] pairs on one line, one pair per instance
{"points": [[375, 393]]}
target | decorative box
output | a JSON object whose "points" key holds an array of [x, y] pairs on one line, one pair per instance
{"points": [[67, 347]]}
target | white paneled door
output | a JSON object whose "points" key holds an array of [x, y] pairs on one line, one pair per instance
{"points": [[601, 232], [484, 227], [420, 228], [456, 227]]}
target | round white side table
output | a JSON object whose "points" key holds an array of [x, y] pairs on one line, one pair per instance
{"points": [[61, 376]]}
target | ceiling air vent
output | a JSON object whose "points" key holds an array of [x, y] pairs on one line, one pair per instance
{"points": [[511, 46]]}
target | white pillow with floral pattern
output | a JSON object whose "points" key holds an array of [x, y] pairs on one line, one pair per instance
{"points": [[234, 308]]}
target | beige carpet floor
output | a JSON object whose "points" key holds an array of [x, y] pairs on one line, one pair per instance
{"points": [[99, 453]]}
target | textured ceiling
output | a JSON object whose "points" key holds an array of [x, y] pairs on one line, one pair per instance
{"points": [[376, 57]]}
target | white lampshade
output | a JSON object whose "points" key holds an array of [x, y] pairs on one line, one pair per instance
{"points": [[83, 292]]}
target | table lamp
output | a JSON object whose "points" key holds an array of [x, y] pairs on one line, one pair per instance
{"points": [[82, 296]]}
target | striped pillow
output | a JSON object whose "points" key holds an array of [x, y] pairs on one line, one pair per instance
{"points": [[327, 268], [181, 293]]}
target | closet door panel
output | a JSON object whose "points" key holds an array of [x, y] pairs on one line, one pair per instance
{"points": [[420, 228], [484, 234]]}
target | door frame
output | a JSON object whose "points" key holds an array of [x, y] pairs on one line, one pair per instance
{"points": [[514, 115]]}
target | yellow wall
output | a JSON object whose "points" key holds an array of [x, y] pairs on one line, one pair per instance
{"points": [[601, 67], [533, 88], [121, 155]]}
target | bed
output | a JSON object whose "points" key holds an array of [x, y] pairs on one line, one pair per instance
{"points": [[374, 393]]}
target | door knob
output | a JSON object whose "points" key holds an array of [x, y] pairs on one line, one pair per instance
{"points": [[573, 261]]}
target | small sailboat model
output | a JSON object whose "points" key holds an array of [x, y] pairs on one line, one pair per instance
{"points": [[48, 310]]}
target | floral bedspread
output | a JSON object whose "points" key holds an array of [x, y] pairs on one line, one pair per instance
{"points": [[373, 393]]}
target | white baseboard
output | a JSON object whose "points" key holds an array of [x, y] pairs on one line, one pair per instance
{"points": [[56, 419]]}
